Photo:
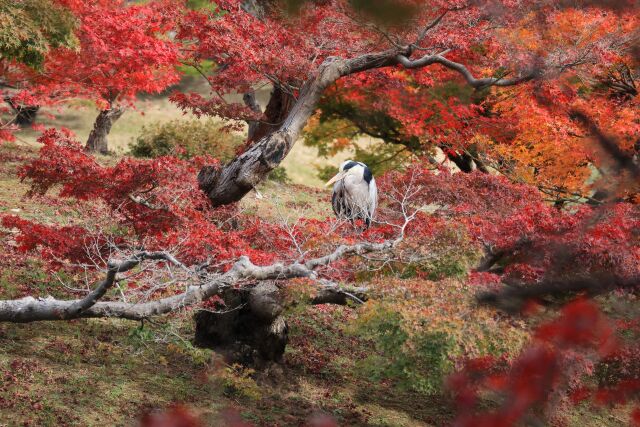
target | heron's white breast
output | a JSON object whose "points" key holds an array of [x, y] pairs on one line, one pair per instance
{"points": [[356, 187]]}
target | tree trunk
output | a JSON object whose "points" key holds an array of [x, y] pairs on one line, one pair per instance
{"points": [[250, 101], [233, 181], [252, 330], [26, 115], [97, 141], [237, 178]]}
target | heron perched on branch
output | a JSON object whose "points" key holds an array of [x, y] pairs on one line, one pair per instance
{"points": [[355, 195]]}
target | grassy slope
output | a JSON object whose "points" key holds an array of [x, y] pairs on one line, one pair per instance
{"points": [[109, 372], [91, 373]]}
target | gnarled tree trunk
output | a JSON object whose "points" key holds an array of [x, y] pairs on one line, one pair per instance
{"points": [[26, 115], [97, 141], [252, 330], [237, 178]]}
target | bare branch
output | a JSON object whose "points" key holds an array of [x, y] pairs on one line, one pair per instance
{"points": [[460, 68], [429, 27]]}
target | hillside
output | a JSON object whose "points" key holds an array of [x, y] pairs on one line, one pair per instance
{"points": [[97, 372]]}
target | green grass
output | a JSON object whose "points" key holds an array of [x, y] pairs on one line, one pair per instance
{"points": [[103, 372], [90, 373], [79, 116]]}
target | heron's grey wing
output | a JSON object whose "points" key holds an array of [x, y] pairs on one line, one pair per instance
{"points": [[337, 199], [373, 197]]}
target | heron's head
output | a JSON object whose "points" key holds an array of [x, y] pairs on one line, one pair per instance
{"points": [[346, 168]]}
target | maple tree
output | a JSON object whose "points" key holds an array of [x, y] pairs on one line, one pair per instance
{"points": [[430, 35], [28, 31], [123, 50], [32, 28]]}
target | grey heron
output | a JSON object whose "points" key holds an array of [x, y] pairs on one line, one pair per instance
{"points": [[355, 195]]}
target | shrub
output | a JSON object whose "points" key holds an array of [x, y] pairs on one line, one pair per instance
{"points": [[185, 139], [447, 252], [417, 362], [422, 331]]}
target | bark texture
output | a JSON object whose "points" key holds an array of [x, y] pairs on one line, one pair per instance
{"points": [[280, 104], [252, 331], [97, 141]]}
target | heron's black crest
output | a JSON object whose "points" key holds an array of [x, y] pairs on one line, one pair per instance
{"points": [[350, 165]]}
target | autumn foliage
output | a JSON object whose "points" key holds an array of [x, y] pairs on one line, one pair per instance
{"points": [[122, 51], [540, 226]]}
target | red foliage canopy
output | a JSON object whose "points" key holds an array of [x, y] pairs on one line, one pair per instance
{"points": [[123, 50], [523, 234]]}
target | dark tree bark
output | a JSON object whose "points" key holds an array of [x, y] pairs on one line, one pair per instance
{"points": [[280, 103], [250, 101], [97, 141], [25, 114], [252, 329]]}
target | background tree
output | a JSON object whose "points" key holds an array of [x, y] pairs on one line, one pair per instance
{"points": [[31, 28], [28, 31], [123, 50]]}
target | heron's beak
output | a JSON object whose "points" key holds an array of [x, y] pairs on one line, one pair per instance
{"points": [[338, 177]]}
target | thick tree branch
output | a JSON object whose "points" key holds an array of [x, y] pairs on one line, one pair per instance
{"points": [[429, 27], [513, 298], [30, 309]]}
